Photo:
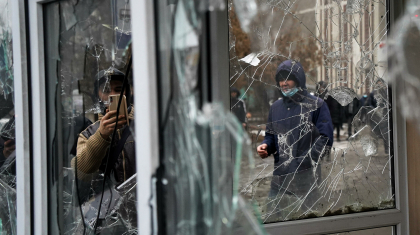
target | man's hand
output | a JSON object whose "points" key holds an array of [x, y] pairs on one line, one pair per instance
{"points": [[108, 123], [9, 147], [262, 150]]}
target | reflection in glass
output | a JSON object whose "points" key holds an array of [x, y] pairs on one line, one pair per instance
{"points": [[309, 76], [7, 124], [92, 174]]}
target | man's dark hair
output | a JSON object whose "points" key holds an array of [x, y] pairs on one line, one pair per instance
{"points": [[101, 77], [321, 84], [112, 74], [233, 89]]}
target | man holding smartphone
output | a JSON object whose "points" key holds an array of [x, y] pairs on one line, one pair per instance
{"points": [[94, 141]]}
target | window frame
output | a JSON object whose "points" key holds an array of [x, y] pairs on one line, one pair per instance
{"points": [[145, 98], [39, 130], [23, 133], [397, 217]]}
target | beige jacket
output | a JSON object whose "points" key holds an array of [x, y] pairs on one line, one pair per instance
{"points": [[91, 151]]}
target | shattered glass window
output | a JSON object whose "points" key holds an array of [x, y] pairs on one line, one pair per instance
{"points": [[7, 124], [201, 143], [308, 82], [90, 117]]}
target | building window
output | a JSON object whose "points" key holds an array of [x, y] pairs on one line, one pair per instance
{"points": [[307, 80]]}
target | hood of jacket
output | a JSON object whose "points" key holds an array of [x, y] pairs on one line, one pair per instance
{"points": [[294, 68], [238, 93]]}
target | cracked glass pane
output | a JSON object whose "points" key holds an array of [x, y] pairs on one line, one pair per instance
{"points": [[308, 83], [91, 167], [203, 145], [7, 124]]}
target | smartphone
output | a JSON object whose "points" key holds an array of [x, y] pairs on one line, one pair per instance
{"points": [[113, 104]]}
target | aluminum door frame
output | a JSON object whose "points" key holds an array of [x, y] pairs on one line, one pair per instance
{"points": [[22, 118]]}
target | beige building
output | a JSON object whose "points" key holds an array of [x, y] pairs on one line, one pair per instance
{"points": [[352, 37]]}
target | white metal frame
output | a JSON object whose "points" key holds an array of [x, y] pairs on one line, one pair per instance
{"points": [[145, 100], [39, 117], [23, 152]]}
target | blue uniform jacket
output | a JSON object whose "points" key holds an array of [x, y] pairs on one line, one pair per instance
{"points": [[298, 128]]}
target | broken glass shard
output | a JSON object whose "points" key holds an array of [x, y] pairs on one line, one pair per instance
{"points": [[361, 119], [67, 9], [364, 65], [367, 140], [246, 11], [355, 6], [343, 95], [251, 59], [369, 145]]}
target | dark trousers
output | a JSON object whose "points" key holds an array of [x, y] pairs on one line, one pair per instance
{"points": [[349, 121], [337, 126], [292, 194]]}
